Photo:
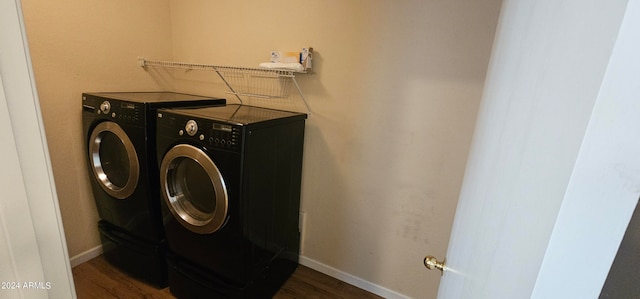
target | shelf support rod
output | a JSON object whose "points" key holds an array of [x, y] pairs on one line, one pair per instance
{"points": [[293, 78], [233, 91]]}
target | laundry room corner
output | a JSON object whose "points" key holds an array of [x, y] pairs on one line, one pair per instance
{"points": [[80, 46], [392, 101]]}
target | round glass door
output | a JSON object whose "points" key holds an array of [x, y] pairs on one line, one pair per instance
{"points": [[114, 160], [193, 189]]}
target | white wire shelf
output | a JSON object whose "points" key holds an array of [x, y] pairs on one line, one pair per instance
{"points": [[242, 81]]}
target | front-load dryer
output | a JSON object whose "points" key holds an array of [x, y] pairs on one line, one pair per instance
{"points": [[230, 183], [121, 155]]}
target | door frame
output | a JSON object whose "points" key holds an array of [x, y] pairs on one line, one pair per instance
{"points": [[46, 253], [604, 188]]}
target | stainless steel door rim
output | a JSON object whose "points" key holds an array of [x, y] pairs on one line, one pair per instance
{"points": [[201, 212], [95, 144]]}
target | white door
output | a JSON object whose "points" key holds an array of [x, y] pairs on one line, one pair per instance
{"points": [[554, 170], [20, 264], [34, 261]]}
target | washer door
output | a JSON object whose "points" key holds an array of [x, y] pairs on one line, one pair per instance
{"points": [[193, 189], [114, 160]]}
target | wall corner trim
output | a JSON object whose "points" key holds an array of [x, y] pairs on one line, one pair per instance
{"points": [[85, 256]]}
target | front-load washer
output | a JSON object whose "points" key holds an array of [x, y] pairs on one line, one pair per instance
{"points": [[121, 154], [230, 182]]}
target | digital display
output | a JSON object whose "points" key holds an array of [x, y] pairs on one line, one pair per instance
{"points": [[128, 106], [221, 127]]}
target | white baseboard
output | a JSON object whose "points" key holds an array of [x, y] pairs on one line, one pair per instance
{"points": [[85, 256], [350, 279], [305, 261]]}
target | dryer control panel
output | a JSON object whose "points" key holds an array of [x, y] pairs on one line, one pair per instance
{"points": [[210, 133], [224, 136]]}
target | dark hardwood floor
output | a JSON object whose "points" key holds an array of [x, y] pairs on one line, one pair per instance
{"points": [[97, 279]]}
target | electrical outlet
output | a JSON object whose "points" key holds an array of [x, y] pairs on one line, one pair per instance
{"points": [[301, 227]]}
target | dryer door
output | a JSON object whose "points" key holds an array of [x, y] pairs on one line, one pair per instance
{"points": [[114, 160], [193, 189]]}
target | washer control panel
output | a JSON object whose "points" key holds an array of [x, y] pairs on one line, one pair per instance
{"points": [[119, 111]]}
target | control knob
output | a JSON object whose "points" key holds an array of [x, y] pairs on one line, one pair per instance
{"points": [[191, 127], [105, 107]]}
